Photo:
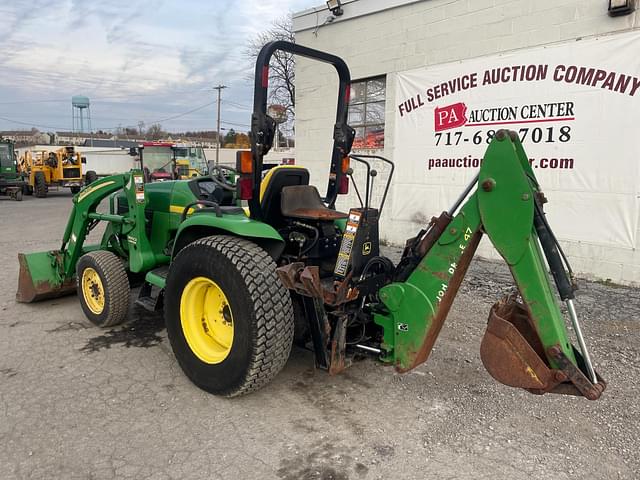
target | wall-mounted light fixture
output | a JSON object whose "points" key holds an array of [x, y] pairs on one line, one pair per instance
{"points": [[336, 7], [617, 7]]}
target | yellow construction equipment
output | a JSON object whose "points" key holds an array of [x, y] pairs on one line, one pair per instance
{"points": [[59, 168]]}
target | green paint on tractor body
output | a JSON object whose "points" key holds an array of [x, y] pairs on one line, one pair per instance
{"points": [[502, 208], [143, 225], [327, 285]]}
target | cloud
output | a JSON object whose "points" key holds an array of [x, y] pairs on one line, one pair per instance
{"points": [[135, 59]]}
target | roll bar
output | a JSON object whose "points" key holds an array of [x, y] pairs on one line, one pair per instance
{"points": [[263, 127]]}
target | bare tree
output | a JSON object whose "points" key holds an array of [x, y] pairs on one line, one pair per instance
{"points": [[282, 89], [155, 132]]}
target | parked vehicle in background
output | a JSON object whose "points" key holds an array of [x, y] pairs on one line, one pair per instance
{"points": [[190, 161], [173, 161], [63, 167], [11, 182]]}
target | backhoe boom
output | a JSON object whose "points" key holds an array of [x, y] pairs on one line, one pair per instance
{"points": [[526, 344]]}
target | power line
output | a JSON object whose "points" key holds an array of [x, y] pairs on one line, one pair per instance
{"points": [[99, 99], [32, 124], [183, 114], [236, 124], [238, 105]]}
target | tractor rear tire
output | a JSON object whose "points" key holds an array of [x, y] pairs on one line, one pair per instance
{"points": [[90, 177], [255, 305], [103, 288], [74, 190], [40, 185]]}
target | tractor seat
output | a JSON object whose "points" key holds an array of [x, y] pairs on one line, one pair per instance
{"points": [[271, 187], [304, 202]]}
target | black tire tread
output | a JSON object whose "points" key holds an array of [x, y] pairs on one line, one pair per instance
{"points": [[90, 177], [40, 185], [115, 276], [272, 307]]}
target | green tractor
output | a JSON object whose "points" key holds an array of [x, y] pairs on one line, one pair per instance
{"points": [[245, 262], [11, 182]]}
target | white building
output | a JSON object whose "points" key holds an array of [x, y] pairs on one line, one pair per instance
{"points": [[562, 73]]}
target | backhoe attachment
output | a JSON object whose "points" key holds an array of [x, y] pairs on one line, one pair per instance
{"points": [[526, 343]]}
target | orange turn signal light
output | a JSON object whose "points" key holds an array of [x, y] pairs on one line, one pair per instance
{"points": [[244, 162], [346, 161]]}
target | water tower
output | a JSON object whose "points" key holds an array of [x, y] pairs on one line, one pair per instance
{"points": [[80, 103]]}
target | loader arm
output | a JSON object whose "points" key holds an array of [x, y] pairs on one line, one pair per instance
{"points": [[51, 273], [526, 344]]}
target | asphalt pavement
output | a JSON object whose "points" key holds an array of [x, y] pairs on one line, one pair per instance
{"points": [[77, 402]]}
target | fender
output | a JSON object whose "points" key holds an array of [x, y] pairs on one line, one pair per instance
{"points": [[200, 225]]}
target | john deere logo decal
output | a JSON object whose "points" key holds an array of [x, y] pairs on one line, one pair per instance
{"points": [[366, 248]]}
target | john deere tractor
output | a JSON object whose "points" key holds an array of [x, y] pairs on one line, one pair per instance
{"points": [[11, 181], [243, 262]]}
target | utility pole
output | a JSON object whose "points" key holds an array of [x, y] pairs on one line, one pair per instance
{"points": [[219, 89]]}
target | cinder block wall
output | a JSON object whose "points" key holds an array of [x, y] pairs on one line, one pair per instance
{"points": [[428, 32]]}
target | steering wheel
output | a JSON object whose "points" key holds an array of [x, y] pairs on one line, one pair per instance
{"points": [[219, 176]]}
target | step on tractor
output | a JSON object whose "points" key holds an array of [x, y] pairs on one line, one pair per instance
{"points": [[63, 167], [11, 181], [244, 263]]}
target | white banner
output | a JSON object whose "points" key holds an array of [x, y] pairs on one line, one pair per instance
{"points": [[576, 107]]}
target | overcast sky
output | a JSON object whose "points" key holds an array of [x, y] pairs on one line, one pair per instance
{"points": [[135, 60]]}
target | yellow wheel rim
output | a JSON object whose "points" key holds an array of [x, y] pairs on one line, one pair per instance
{"points": [[206, 319], [92, 290]]}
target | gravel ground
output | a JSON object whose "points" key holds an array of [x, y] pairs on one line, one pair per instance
{"points": [[81, 403]]}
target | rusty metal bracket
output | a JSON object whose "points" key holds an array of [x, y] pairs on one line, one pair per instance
{"points": [[339, 346], [580, 382]]}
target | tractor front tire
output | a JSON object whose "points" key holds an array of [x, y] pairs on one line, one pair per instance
{"points": [[229, 318], [74, 190], [90, 177], [103, 288], [40, 185]]}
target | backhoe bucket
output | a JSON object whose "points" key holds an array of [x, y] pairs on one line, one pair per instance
{"points": [[40, 277], [513, 354], [511, 350]]}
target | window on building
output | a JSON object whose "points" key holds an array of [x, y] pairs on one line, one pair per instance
{"points": [[366, 112]]}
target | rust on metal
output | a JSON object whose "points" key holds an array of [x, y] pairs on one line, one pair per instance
{"points": [[310, 278], [511, 350], [342, 293], [488, 185], [513, 354], [438, 226], [445, 305], [338, 346], [289, 276], [306, 281], [30, 291], [580, 384], [317, 214]]}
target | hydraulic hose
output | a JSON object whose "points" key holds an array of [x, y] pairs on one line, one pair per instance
{"points": [[552, 253]]}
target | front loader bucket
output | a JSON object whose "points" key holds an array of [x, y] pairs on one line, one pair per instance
{"points": [[513, 354], [39, 277]]}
